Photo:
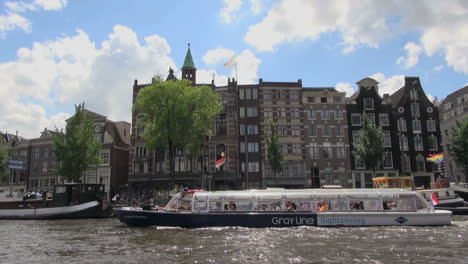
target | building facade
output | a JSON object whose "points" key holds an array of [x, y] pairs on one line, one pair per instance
{"points": [[417, 122], [454, 108], [379, 110], [326, 138], [18, 149]]}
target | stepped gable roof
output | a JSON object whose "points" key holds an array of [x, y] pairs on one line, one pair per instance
{"points": [[188, 61]]}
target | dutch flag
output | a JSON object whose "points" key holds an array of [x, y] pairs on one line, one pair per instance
{"points": [[434, 199]]}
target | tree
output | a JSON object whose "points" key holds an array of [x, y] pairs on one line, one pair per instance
{"points": [[274, 151], [369, 144], [176, 114], [458, 144], [76, 149], [4, 171]]}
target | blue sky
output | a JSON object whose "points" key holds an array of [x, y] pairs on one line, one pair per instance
{"points": [[57, 53]]}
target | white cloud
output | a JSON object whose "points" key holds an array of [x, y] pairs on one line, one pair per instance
{"points": [[345, 87], [438, 68], [71, 70], [412, 55], [388, 85], [11, 21], [441, 24], [256, 6], [229, 10], [215, 56], [206, 76]]}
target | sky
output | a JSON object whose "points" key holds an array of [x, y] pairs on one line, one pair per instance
{"points": [[59, 53]]}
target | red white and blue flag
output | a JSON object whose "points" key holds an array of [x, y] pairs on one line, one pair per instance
{"points": [[221, 161], [434, 199]]}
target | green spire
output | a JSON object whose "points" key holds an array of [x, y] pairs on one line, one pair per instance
{"points": [[188, 62]]}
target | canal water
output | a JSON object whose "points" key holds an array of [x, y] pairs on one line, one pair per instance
{"points": [[109, 241]]}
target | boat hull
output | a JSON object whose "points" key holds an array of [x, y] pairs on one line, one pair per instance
{"points": [[86, 210], [134, 217]]}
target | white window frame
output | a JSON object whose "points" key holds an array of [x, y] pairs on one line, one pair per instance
{"points": [[355, 115], [382, 117], [366, 102]]}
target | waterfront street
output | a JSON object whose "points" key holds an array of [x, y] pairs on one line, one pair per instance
{"points": [[109, 241]]}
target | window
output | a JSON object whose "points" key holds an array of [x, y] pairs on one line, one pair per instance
{"points": [[313, 114], [340, 150], [248, 93], [325, 114], [327, 150], [403, 143], [359, 164], [44, 167], [414, 109], [242, 147], [336, 99], [383, 120], [267, 95], [253, 147], [282, 131], [448, 106], [356, 119], [414, 94], [241, 94], [339, 130], [296, 148], [313, 130], [338, 113], [371, 117], [326, 130], [313, 151], [405, 163], [268, 112], [285, 149], [293, 95], [295, 112], [280, 94], [387, 141], [254, 93], [323, 99], [295, 130], [252, 129], [242, 129], [431, 125], [311, 99], [355, 136], [221, 124], [105, 156], [416, 126], [459, 110], [420, 163], [241, 112], [254, 167], [368, 103], [282, 111], [252, 112], [388, 161], [432, 143], [418, 143], [401, 124]]}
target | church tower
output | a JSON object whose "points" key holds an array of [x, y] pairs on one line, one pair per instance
{"points": [[188, 70]]}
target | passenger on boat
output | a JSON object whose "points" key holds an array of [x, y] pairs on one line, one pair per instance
{"points": [[290, 206], [323, 206], [232, 206]]}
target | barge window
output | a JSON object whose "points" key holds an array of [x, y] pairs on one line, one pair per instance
{"points": [[200, 205], [216, 205], [230, 206], [185, 202], [268, 206], [333, 205], [404, 205], [244, 205], [420, 203]]}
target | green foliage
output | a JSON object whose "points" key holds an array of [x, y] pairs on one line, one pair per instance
{"points": [[76, 149], [369, 144], [458, 144], [4, 171], [176, 114], [274, 151]]}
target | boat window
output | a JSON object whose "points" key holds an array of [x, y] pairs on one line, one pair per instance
{"points": [[332, 205], [299, 205], [268, 206], [244, 205], [172, 204], [363, 195], [405, 205], [331, 196], [230, 206], [299, 195], [442, 194], [390, 196], [200, 205], [185, 201], [238, 196], [420, 203], [60, 189], [364, 204], [216, 205], [355, 205], [269, 196]]}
